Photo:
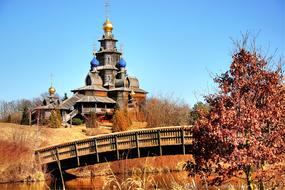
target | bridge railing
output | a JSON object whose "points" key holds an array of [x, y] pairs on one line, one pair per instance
{"points": [[115, 142]]}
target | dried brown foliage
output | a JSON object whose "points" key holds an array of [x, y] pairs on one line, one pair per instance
{"points": [[17, 162], [137, 115], [245, 128], [55, 119], [15, 117], [139, 173], [165, 111], [121, 121]]}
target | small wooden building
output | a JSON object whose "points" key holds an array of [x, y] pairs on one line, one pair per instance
{"points": [[43, 112]]}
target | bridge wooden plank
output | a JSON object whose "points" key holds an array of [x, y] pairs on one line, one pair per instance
{"points": [[76, 153], [137, 145], [96, 150], [183, 140], [159, 142], [39, 157], [59, 167], [116, 146], [135, 140]]}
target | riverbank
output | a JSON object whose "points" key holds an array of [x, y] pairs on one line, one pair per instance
{"points": [[18, 142], [17, 162], [17, 145]]}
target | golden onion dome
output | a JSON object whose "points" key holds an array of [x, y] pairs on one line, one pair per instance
{"points": [[132, 93], [108, 26], [51, 90]]}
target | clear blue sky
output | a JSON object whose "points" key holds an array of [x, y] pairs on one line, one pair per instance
{"points": [[172, 46]]}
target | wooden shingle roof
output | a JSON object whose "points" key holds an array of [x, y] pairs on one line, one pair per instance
{"points": [[96, 99], [67, 104], [90, 87], [128, 89]]}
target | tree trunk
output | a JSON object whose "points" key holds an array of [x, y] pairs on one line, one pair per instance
{"points": [[248, 174], [261, 185], [260, 181]]}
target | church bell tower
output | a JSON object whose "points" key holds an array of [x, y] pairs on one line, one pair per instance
{"points": [[108, 56]]}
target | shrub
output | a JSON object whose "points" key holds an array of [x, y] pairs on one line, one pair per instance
{"points": [[55, 119], [137, 115], [121, 120], [92, 120], [15, 117], [44, 122], [165, 111], [77, 121]]}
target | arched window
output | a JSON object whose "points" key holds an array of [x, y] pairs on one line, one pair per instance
{"points": [[108, 59], [88, 80]]}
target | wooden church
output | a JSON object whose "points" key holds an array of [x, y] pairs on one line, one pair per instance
{"points": [[107, 86]]}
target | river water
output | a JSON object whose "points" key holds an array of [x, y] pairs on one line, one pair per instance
{"points": [[171, 180], [151, 181]]}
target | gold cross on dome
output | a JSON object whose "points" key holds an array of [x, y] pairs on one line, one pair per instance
{"points": [[107, 9]]}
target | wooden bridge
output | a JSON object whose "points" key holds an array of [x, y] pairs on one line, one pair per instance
{"points": [[116, 146]]}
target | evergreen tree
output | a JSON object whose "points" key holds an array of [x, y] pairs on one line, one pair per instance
{"points": [[25, 117], [65, 97], [198, 107]]}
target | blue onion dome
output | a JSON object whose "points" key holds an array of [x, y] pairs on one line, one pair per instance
{"points": [[94, 62], [122, 63]]}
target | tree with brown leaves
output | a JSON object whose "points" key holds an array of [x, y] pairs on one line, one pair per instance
{"points": [[244, 131]]}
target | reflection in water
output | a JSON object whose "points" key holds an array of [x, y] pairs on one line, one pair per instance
{"points": [[85, 183], [24, 186], [161, 180], [152, 181]]}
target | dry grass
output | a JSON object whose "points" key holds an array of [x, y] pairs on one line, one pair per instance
{"points": [[17, 144], [135, 166], [17, 162], [47, 136], [134, 181], [96, 131], [138, 125], [153, 165], [148, 181]]}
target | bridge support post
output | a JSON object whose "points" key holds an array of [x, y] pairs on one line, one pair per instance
{"points": [[116, 146], [137, 145], [159, 142], [38, 157], [76, 152], [183, 140], [59, 167], [96, 149]]}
